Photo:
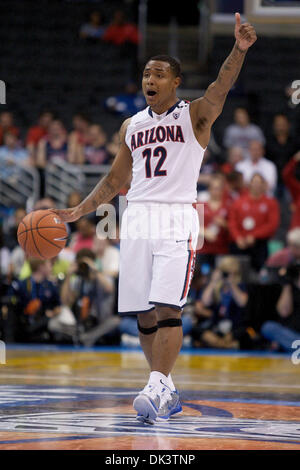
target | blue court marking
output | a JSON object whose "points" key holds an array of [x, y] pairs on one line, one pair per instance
{"points": [[120, 349]]}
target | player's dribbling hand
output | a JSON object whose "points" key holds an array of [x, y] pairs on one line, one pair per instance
{"points": [[67, 215], [245, 34]]}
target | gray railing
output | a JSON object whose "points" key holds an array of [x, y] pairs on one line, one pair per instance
{"points": [[22, 185], [62, 178]]}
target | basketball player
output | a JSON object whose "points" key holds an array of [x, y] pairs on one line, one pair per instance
{"points": [[162, 148]]}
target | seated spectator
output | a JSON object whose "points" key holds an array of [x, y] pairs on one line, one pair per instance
{"points": [[78, 137], [89, 294], [40, 130], [288, 255], [281, 145], [10, 233], [11, 156], [253, 220], [286, 328], [93, 29], [84, 235], [35, 301], [257, 163], [120, 31], [234, 156], [128, 103], [55, 144], [215, 230], [291, 178], [107, 257], [95, 152], [226, 297], [242, 132], [7, 125], [234, 186]]}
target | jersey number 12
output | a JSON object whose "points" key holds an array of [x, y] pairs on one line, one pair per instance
{"points": [[158, 152]]}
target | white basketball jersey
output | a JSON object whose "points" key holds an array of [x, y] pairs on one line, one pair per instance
{"points": [[166, 156]]}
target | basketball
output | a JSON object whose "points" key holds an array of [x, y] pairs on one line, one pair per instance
{"points": [[41, 234]]}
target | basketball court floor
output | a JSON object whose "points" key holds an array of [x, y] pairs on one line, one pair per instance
{"points": [[75, 398]]}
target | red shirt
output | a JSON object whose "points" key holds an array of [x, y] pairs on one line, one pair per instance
{"points": [[220, 245], [118, 34], [256, 217], [35, 134]]}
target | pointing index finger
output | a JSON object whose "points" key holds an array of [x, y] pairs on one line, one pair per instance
{"points": [[238, 19]]}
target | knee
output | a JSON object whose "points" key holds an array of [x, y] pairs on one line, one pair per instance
{"points": [[147, 320], [164, 313], [268, 328]]}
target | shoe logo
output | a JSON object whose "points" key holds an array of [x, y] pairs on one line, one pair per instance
{"points": [[164, 385]]}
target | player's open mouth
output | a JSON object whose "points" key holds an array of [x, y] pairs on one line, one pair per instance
{"points": [[151, 93]]}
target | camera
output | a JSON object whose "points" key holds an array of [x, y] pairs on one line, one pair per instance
{"points": [[292, 273]]}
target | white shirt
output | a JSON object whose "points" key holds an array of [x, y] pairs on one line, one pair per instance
{"points": [[264, 167]]}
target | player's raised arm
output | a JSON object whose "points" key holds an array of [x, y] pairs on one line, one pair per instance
{"points": [[108, 187], [205, 110]]}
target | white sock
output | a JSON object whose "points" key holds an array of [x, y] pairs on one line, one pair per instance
{"points": [[156, 377], [171, 384]]}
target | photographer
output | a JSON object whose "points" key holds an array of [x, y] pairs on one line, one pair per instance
{"points": [[89, 294], [226, 296], [34, 302], [286, 329]]}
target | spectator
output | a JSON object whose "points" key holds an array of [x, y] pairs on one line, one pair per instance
{"points": [[258, 164], [84, 235], [96, 153], [93, 29], [288, 255], [7, 125], [55, 144], [286, 328], [234, 156], [89, 294], [253, 220], [291, 178], [40, 130], [234, 186], [11, 156], [128, 103], [107, 257], [35, 300], [242, 132], [79, 137], [10, 234], [216, 237], [226, 296], [120, 31], [281, 145]]}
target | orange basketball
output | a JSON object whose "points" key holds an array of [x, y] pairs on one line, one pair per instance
{"points": [[42, 234]]}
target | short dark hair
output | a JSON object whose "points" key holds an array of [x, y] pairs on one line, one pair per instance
{"points": [[174, 63]]}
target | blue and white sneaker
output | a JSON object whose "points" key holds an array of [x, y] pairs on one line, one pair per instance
{"points": [[169, 405], [147, 404]]}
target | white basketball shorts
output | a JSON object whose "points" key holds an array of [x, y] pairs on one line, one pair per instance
{"points": [[157, 256]]}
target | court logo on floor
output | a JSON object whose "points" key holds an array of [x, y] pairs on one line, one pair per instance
{"points": [[108, 425]]}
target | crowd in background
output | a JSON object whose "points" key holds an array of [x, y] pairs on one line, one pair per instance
{"points": [[246, 183]]}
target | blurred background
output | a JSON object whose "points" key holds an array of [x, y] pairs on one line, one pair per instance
{"points": [[72, 71]]}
